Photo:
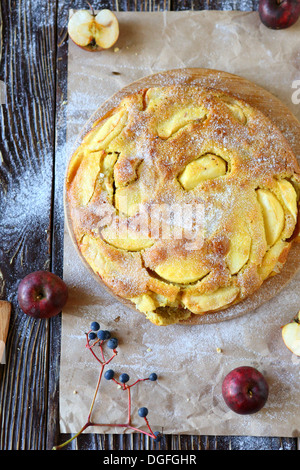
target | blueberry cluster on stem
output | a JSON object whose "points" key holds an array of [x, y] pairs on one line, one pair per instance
{"points": [[96, 339]]}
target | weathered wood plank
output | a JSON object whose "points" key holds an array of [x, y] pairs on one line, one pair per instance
{"points": [[246, 5], [27, 131]]}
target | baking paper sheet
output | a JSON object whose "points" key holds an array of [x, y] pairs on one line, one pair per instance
{"points": [[186, 399]]}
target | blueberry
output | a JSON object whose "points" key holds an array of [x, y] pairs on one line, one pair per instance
{"points": [[92, 335], [112, 343], [158, 436], [95, 326], [153, 377], [109, 374], [124, 378], [143, 412], [103, 334]]}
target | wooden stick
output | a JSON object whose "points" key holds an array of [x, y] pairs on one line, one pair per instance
{"points": [[5, 311]]}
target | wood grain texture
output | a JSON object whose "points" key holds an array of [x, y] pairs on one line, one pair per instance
{"points": [[247, 5], [27, 134], [33, 65]]}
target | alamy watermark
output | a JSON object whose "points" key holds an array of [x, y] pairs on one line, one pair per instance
{"points": [[296, 93], [159, 221]]}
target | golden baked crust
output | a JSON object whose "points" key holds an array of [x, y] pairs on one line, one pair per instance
{"points": [[183, 200]]}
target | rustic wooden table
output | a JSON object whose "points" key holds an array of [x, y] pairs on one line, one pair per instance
{"points": [[34, 69]]}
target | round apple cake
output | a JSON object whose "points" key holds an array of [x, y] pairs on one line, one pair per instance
{"points": [[183, 201]]}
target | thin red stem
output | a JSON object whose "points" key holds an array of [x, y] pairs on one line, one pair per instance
{"points": [[101, 349], [139, 380], [124, 387], [148, 425], [96, 392], [125, 425], [114, 355], [73, 437], [88, 346], [129, 405]]}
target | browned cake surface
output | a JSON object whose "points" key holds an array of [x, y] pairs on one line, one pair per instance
{"points": [[183, 201]]}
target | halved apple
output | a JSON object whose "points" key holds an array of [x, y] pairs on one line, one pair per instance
{"points": [[94, 32], [291, 335]]}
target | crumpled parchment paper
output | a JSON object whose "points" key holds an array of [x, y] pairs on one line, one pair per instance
{"points": [[190, 361]]}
